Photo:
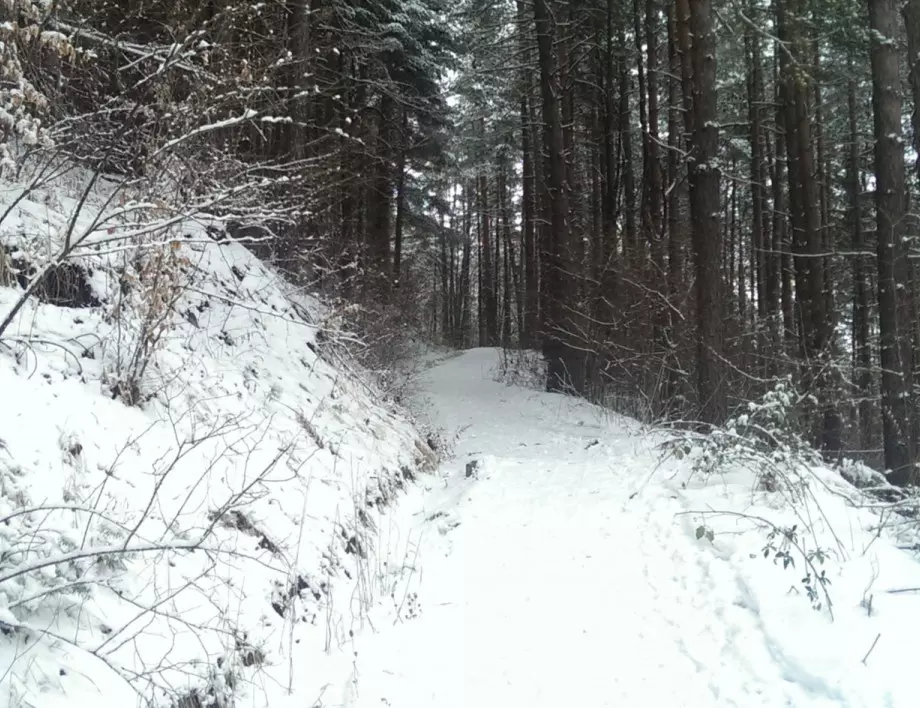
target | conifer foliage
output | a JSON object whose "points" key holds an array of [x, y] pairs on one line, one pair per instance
{"points": [[708, 197], [679, 203]]}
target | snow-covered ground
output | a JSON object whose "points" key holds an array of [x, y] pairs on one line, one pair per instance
{"points": [[576, 569]]}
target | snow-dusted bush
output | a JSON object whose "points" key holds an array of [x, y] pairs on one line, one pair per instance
{"points": [[764, 441], [764, 437], [22, 105]]}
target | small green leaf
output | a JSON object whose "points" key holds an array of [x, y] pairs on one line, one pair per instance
{"points": [[704, 531]]}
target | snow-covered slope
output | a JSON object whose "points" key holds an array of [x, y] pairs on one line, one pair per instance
{"points": [[218, 536], [576, 568]]}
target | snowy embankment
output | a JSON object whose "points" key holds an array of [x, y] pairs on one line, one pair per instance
{"points": [[194, 486], [578, 567]]}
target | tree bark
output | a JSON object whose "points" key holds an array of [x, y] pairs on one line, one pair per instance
{"points": [[893, 298], [562, 374], [704, 209], [487, 286]]}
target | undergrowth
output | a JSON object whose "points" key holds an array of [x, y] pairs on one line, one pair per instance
{"points": [[765, 440], [521, 367]]}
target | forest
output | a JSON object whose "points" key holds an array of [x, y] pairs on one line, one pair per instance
{"points": [[681, 205]]}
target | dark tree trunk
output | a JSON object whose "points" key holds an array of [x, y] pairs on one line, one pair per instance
{"points": [[912, 22], [508, 286], [489, 301], [529, 243], [562, 363], [379, 204], [400, 203], [465, 320], [893, 293], [704, 210], [674, 220], [629, 175]]}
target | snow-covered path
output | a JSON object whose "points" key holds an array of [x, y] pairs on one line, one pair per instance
{"points": [[565, 575]]}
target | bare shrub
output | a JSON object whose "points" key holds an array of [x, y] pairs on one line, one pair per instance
{"points": [[152, 282], [522, 367], [379, 336], [57, 557]]}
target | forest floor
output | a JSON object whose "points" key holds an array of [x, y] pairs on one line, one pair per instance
{"points": [[577, 567]]}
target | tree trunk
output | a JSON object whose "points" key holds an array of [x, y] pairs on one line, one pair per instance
{"points": [[674, 220], [912, 22], [561, 360], [489, 303], [400, 202], [508, 266], [629, 174], [379, 204], [528, 236], [529, 245], [893, 298], [704, 210]]}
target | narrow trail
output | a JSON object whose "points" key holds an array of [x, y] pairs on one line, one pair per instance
{"points": [[563, 575]]}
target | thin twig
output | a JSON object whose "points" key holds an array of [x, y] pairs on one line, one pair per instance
{"points": [[877, 637]]}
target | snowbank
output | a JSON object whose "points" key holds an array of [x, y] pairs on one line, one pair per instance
{"points": [[227, 530]]}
